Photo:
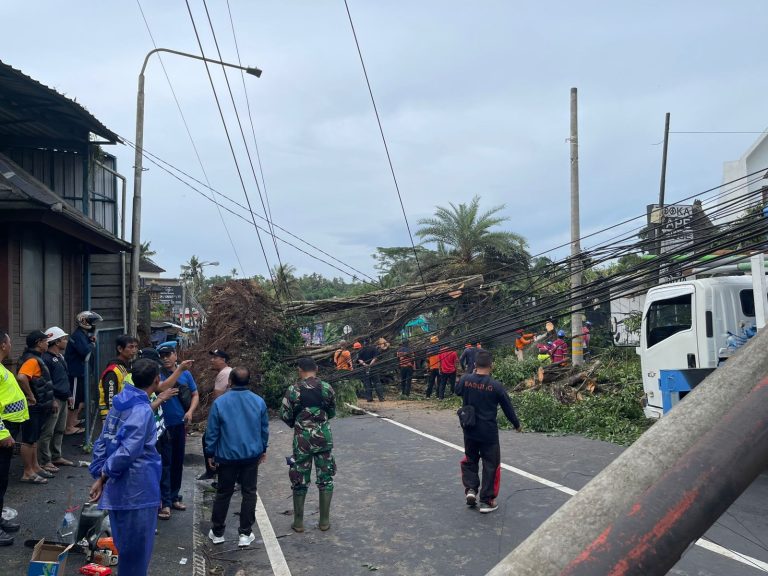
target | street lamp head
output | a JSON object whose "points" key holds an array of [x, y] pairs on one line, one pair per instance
{"points": [[253, 71]]}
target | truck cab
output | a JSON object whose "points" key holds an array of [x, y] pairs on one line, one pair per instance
{"points": [[685, 327]]}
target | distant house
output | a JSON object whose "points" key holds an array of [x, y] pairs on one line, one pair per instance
{"points": [[735, 174], [60, 250]]}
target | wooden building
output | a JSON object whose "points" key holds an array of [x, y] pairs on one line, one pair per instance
{"points": [[61, 249]]}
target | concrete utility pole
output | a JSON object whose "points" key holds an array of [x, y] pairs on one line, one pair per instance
{"points": [[138, 170], [643, 511], [662, 189], [577, 353]]}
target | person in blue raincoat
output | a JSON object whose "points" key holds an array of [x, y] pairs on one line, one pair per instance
{"points": [[127, 469]]}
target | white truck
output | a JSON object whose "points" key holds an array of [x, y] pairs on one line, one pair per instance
{"points": [[686, 327]]}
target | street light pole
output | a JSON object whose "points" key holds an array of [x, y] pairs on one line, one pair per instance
{"points": [[138, 170]]}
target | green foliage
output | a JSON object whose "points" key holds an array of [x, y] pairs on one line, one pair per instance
{"points": [[276, 374], [614, 417], [510, 371], [346, 393]]}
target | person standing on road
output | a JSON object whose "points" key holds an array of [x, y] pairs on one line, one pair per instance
{"points": [[407, 362], [127, 468], [113, 378], [49, 452], [433, 365], [467, 359], [177, 411], [238, 436], [307, 407], [81, 343], [342, 358], [220, 364], [483, 396], [367, 358], [13, 408], [35, 380], [448, 361]]}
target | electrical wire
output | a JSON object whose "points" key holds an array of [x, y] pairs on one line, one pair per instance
{"points": [[231, 146], [281, 270], [189, 133], [384, 141]]}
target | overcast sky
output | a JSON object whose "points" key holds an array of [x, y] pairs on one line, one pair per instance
{"points": [[474, 99]]}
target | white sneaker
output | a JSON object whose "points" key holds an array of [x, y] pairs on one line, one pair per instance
{"points": [[215, 539], [471, 498], [246, 540]]}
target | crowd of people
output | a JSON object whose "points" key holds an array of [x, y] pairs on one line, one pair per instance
{"points": [[146, 399]]}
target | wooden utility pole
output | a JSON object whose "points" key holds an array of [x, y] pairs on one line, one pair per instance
{"points": [[577, 353]]}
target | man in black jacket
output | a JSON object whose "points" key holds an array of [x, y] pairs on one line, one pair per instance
{"points": [[481, 440], [49, 454]]}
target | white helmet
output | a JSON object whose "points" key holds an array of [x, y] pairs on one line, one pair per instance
{"points": [[86, 319], [54, 333]]}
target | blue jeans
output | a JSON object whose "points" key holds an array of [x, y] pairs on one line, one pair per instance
{"points": [[164, 449], [177, 438]]}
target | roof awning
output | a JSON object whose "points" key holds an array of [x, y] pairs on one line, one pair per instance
{"points": [[23, 198], [32, 113]]}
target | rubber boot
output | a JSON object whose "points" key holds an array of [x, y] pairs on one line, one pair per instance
{"points": [[325, 509], [298, 511]]}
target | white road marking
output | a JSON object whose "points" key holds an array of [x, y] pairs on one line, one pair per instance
{"points": [[706, 544], [275, 553], [198, 560]]}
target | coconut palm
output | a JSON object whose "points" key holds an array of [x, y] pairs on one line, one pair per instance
{"points": [[463, 235], [286, 283], [192, 272]]}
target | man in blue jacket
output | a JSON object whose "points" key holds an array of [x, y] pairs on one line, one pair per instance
{"points": [[237, 434], [127, 468]]}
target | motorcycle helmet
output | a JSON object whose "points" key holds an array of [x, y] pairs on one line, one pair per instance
{"points": [[561, 333], [87, 320]]}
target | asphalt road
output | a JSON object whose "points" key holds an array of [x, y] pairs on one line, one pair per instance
{"points": [[398, 507]]}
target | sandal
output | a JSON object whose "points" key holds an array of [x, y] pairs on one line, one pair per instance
{"points": [[50, 468], [63, 462], [164, 513], [178, 505], [45, 474], [34, 479]]}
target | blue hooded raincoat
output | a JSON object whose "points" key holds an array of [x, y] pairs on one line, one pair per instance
{"points": [[125, 452]]}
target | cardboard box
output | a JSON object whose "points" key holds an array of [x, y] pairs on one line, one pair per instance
{"points": [[48, 559]]}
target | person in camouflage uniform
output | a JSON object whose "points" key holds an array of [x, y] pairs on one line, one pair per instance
{"points": [[307, 406]]}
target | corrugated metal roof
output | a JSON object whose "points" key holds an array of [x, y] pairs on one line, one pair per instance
{"points": [[30, 110]]}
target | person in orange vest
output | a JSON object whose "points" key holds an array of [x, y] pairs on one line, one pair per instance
{"points": [[433, 361], [523, 340], [343, 357]]}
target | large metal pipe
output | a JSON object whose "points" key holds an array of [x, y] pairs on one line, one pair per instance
{"points": [[600, 504]]}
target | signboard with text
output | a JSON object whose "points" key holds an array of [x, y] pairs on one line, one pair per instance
{"points": [[676, 229]]}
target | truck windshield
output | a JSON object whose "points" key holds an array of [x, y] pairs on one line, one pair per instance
{"points": [[667, 317]]}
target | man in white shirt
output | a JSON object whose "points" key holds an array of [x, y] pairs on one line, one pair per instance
{"points": [[219, 363]]}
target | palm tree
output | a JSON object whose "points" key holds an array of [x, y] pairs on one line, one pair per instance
{"points": [[286, 283], [193, 271], [233, 273], [463, 235], [146, 251]]}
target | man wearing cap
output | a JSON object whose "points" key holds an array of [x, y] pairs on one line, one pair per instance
{"points": [[49, 452], [178, 411], [113, 378], [35, 380], [219, 363], [13, 408]]}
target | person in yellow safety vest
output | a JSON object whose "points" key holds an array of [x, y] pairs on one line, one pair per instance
{"points": [[114, 376], [13, 411]]}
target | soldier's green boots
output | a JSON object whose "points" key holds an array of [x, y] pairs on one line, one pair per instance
{"points": [[325, 509], [298, 511]]}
